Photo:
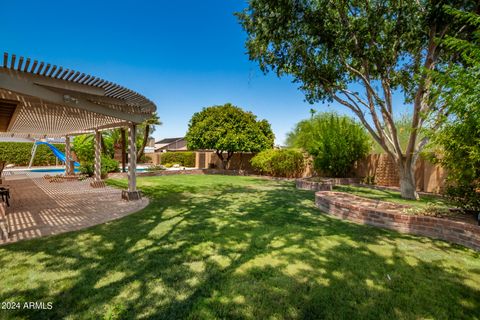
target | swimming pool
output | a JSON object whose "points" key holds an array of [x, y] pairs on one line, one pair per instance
{"points": [[47, 170], [54, 170]]}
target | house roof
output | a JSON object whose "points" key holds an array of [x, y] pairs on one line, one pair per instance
{"points": [[169, 140]]}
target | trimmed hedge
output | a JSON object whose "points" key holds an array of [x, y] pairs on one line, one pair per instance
{"points": [[19, 153], [108, 165], [186, 159], [280, 162]]}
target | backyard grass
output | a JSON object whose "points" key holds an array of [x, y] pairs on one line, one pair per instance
{"points": [[394, 196], [221, 247]]}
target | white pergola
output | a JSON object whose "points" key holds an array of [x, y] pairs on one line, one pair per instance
{"points": [[42, 100]]}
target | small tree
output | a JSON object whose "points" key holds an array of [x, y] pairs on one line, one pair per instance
{"points": [[336, 142], [148, 127], [228, 129], [359, 53]]}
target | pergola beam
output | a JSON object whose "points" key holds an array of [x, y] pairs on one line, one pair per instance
{"points": [[25, 86]]}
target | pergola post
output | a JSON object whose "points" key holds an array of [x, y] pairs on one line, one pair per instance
{"points": [[98, 157], [132, 193], [124, 153], [68, 157], [132, 154], [97, 178]]}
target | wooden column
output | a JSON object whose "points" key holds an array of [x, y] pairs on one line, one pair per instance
{"points": [[68, 157], [132, 193], [98, 156], [124, 153], [132, 158]]}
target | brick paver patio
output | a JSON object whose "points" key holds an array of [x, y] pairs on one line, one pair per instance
{"points": [[40, 208]]}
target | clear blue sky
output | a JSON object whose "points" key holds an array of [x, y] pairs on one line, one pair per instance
{"points": [[183, 55]]}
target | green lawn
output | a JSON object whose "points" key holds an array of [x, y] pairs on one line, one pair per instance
{"points": [[220, 247], [394, 196]]}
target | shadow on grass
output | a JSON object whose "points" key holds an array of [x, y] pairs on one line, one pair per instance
{"points": [[232, 247], [394, 196]]}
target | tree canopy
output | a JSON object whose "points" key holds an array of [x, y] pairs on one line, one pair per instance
{"points": [[333, 48], [227, 128]]}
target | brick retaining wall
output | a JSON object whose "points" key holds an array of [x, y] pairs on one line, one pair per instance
{"points": [[388, 215], [326, 185]]}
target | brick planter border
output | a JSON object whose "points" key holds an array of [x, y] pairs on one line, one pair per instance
{"points": [[389, 216], [326, 185]]}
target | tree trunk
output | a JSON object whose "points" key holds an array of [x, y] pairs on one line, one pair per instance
{"points": [[102, 143], [146, 133], [225, 161], [408, 187], [229, 156], [220, 156]]}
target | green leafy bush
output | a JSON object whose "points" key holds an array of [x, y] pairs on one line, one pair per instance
{"points": [[279, 163], [457, 138], [19, 153], [334, 141], [108, 165], [155, 168], [186, 159], [84, 146]]}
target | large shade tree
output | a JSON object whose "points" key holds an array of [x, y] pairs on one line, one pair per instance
{"points": [[360, 53], [228, 129]]}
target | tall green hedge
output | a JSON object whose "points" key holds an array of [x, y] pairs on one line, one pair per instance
{"points": [[19, 153], [186, 159], [280, 162]]}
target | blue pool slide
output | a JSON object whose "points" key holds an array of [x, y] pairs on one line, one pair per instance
{"points": [[60, 155]]}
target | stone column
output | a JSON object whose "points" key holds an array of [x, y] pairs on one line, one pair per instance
{"points": [[68, 157], [98, 158]]}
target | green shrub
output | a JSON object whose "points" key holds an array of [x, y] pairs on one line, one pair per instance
{"points": [[279, 163], [19, 153], [334, 141], [186, 159], [108, 165], [155, 168], [465, 195]]}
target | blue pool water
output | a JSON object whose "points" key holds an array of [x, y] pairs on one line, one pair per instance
{"points": [[50, 170], [60, 170]]}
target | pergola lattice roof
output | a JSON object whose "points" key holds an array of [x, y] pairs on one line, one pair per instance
{"points": [[38, 98]]}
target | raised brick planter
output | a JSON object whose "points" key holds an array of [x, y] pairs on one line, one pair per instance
{"points": [[390, 216], [304, 184], [324, 185]]}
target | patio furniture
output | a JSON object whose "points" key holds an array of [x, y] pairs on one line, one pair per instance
{"points": [[5, 194], [4, 227]]}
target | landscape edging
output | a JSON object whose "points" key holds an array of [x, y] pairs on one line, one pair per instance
{"points": [[462, 233], [326, 185]]}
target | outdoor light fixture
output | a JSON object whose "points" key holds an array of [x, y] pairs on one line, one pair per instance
{"points": [[71, 99]]}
